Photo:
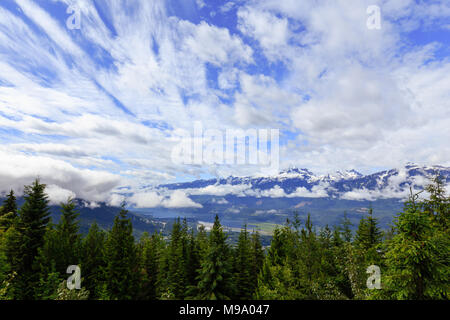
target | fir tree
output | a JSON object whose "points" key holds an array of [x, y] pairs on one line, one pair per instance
{"points": [[215, 277], [438, 204], [121, 257], [417, 257], [33, 220], [368, 234], [192, 260], [151, 250], [8, 212], [176, 257], [243, 266], [70, 241], [93, 261], [257, 259], [346, 229]]}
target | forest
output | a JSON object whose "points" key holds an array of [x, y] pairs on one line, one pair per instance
{"points": [[302, 262]]}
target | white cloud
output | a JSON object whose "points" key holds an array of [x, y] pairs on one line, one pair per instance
{"points": [[17, 170], [271, 32], [216, 45], [58, 195], [153, 199], [103, 103], [146, 199], [179, 199]]}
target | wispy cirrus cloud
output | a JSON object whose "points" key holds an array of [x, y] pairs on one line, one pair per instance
{"points": [[105, 101]]}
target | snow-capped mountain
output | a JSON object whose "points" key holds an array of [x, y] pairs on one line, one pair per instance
{"points": [[273, 199], [296, 182]]}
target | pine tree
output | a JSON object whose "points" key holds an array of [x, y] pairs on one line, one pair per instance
{"points": [[340, 251], [215, 277], [438, 204], [8, 212], [61, 248], [202, 241], [346, 229], [62, 243], [417, 257], [192, 260], [368, 234], [257, 259], [281, 241], [176, 251], [243, 266], [121, 257], [93, 261], [150, 253], [33, 220], [11, 246], [307, 271], [70, 241], [277, 282]]}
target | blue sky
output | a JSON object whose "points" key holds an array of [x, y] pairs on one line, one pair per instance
{"points": [[100, 107]]}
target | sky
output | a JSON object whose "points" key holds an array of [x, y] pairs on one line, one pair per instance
{"points": [[95, 94]]}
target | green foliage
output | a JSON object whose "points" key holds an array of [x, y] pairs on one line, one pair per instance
{"points": [[368, 234], [31, 227], [243, 266], [301, 262], [121, 258], [277, 283], [418, 255], [177, 261], [215, 276], [151, 249], [8, 212], [75, 294], [93, 263]]}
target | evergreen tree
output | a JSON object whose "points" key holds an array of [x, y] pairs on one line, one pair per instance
{"points": [[309, 262], [438, 204], [202, 241], [417, 257], [368, 234], [243, 266], [61, 249], [33, 220], [192, 260], [121, 257], [277, 282], [340, 251], [151, 251], [62, 243], [346, 229], [70, 241], [279, 245], [93, 263], [257, 259], [176, 251], [8, 212], [215, 277]]}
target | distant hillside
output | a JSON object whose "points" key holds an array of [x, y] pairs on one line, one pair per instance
{"points": [[104, 216]]}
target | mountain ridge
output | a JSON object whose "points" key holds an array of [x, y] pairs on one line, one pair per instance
{"points": [[394, 181]]}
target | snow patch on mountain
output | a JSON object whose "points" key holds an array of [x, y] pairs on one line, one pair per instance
{"points": [[293, 183]]}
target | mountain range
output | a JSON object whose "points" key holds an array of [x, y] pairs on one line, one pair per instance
{"points": [[266, 201]]}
